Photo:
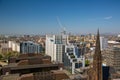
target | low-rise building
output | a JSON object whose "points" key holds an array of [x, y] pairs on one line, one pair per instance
{"points": [[32, 67]]}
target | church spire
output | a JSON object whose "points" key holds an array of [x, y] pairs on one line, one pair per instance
{"points": [[95, 73], [97, 49], [97, 59]]}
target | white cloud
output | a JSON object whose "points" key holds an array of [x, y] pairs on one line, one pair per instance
{"points": [[109, 17]]}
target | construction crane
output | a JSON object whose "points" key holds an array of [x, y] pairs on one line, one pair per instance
{"points": [[61, 26]]}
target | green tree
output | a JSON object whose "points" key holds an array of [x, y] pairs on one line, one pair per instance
{"points": [[87, 62], [1, 56]]}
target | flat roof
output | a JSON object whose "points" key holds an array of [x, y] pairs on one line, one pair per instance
{"points": [[57, 71], [30, 66], [10, 77], [30, 57]]}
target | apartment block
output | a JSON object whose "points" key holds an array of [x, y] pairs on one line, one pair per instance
{"points": [[30, 47]]}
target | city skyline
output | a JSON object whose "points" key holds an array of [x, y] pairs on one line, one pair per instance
{"points": [[50, 16]]}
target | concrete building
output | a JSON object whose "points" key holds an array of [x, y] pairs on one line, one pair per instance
{"points": [[103, 43], [4, 48], [32, 67], [49, 75], [29, 63], [118, 35], [54, 47], [14, 46], [30, 47], [112, 57]]}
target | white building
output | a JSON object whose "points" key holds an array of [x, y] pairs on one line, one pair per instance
{"points": [[14, 46], [118, 35], [103, 43], [54, 47], [71, 61]]}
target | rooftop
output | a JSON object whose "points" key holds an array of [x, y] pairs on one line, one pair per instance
{"points": [[14, 67], [9, 77]]}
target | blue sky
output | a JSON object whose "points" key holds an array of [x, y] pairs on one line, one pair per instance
{"points": [[48, 16]]}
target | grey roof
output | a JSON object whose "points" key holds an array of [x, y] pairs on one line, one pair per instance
{"points": [[9, 77]]}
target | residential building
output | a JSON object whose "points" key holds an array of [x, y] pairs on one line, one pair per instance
{"points": [[118, 35], [54, 47], [14, 46], [112, 58], [73, 58], [4, 48], [30, 47]]}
